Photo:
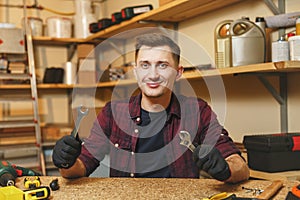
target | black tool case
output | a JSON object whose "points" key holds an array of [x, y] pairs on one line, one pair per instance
{"points": [[273, 152]]}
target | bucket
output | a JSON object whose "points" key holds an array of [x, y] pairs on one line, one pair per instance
{"points": [[35, 24], [59, 27]]}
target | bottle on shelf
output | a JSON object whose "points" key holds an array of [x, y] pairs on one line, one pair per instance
{"points": [[298, 26]]}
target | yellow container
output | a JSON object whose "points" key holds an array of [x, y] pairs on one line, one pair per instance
{"points": [[298, 26], [11, 193]]}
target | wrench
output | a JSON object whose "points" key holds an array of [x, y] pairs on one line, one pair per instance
{"points": [[81, 112], [186, 140]]}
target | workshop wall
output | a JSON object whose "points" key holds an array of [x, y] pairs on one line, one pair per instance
{"points": [[250, 108]]}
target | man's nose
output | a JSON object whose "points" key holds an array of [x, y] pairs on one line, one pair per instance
{"points": [[153, 72]]}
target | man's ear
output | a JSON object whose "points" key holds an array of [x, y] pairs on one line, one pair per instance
{"points": [[179, 72]]}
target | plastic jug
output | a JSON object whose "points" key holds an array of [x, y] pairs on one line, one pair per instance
{"points": [[223, 44], [247, 43]]}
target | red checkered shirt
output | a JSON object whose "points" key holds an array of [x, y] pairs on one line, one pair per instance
{"points": [[116, 130]]}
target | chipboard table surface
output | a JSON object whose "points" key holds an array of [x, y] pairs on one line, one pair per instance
{"points": [[151, 188]]}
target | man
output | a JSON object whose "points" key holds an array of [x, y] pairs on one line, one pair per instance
{"points": [[141, 134]]}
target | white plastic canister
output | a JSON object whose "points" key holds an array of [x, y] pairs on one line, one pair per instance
{"points": [[70, 72], [294, 43], [280, 51], [35, 24], [59, 27]]}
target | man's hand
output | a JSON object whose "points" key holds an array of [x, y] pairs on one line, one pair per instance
{"points": [[66, 151], [209, 159]]}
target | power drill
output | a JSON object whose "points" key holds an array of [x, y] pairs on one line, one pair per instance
{"points": [[9, 173]]}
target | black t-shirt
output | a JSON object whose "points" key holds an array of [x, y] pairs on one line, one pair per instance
{"points": [[150, 153]]}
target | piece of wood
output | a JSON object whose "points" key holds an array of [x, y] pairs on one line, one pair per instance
{"points": [[271, 190], [285, 175]]}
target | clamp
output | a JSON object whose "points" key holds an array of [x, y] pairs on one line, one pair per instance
{"points": [[32, 184]]}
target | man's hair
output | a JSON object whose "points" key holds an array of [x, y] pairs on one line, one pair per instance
{"points": [[155, 40]]}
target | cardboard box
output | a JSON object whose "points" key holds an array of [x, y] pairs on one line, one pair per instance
{"points": [[163, 2], [54, 132], [87, 71], [85, 51], [273, 152], [12, 40]]}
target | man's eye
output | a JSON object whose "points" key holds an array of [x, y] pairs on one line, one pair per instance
{"points": [[144, 65], [163, 65]]}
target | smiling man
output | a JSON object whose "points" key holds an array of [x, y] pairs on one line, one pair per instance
{"points": [[141, 134]]}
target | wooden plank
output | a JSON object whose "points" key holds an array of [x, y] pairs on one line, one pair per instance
{"points": [[286, 175], [287, 65], [178, 11], [44, 40], [18, 140], [261, 67], [175, 11]]}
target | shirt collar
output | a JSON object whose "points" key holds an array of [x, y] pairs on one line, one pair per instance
{"points": [[135, 106]]}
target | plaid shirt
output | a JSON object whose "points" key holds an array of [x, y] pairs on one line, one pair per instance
{"points": [[116, 131]]}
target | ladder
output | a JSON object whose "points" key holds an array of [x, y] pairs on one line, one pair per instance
{"points": [[22, 144]]}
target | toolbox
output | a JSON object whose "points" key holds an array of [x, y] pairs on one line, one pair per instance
{"points": [[130, 12], [273, 152], [12, 40], [100, 25]]}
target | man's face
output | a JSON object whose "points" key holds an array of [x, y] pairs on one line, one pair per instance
{"points": [[156, 71]]}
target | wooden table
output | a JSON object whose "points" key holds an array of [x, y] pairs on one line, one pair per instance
{"points": [[154, 188]]}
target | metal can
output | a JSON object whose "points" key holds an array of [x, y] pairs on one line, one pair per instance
{"points": [[294, 43], [280, 50]]}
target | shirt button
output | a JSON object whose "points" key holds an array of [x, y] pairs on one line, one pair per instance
{"points": [[116, 145], [138, 119], [132, 174], [136, 130], [132, 153]]}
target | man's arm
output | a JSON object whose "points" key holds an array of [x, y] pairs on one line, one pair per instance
{"points": [[238, 168]]}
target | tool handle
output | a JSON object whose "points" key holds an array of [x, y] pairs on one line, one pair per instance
{"points": [[271, 190], [74, 132]]}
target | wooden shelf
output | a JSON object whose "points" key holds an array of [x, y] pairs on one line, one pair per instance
{"points": [[43, 40], [175, 11], [287, 66]]}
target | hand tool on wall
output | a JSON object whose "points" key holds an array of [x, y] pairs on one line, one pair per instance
{"points": [[81, 112]]}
